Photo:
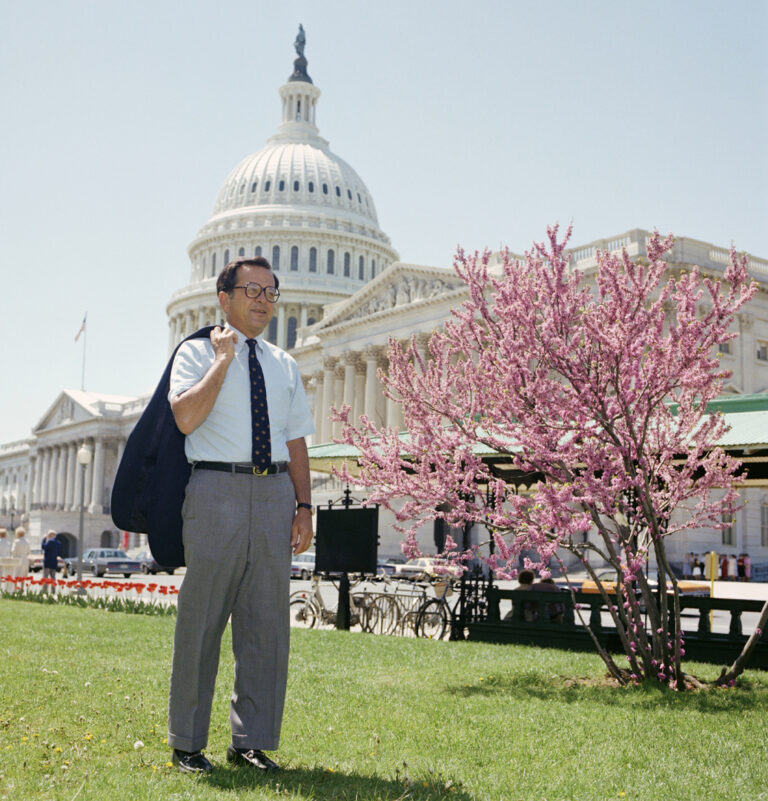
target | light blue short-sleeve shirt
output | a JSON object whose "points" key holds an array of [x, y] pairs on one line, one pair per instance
{"points": [[225, 435]]}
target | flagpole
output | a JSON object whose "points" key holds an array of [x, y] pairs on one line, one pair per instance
{"points": [[82, 380], [84, 334]]}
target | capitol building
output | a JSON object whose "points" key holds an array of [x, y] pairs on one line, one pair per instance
{"points": [[344, 293]]}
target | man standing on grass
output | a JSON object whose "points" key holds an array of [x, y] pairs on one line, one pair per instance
{"points": [[241, 404]]}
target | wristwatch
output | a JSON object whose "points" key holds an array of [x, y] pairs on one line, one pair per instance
{"points": [[306, 506]]}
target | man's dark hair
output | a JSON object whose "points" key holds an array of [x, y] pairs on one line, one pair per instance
{"points": [[228, 276]]}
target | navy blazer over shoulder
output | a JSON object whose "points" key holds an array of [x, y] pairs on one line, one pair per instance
{"points": [[153, 473]]}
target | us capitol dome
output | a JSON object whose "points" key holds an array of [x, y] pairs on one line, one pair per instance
{"points": [[302, 207]]}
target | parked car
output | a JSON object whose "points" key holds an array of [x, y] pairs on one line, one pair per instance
{"points": [[36, 560], [685, 586], [426, 567], [386, 567], [100, 561], [303, 565], [150, 566]]}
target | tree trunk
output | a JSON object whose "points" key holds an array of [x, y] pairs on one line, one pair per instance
{"points": [[737, 668]]}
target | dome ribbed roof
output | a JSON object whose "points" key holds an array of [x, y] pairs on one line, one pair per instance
{"points": [[296, 173]]}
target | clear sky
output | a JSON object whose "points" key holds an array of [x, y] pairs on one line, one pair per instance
{"points": [[471, 123]]}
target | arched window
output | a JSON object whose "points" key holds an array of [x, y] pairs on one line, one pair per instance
{"points": [[373, 268], [254, 185], [291, 341], [257, 251], [241, 252], [213, 264], [349, 194], [347, 268], [294, 258], [313, 260], [267, 184], [276, 257], [295, 186], [330, 262], [272, 331], [338, 192], [311, 186], [281, 186], [361, 268], [311, 321], [226, 257], [325, 189]]}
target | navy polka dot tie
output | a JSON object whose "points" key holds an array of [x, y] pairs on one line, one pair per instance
{"points": [[261, 446]]}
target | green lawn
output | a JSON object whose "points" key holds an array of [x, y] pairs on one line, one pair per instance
{"points": [[367, 718]]}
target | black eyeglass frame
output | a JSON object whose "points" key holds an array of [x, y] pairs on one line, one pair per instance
{"points": [[247, 289]]}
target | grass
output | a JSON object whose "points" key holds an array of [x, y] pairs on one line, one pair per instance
{"points": [[367, 718]]}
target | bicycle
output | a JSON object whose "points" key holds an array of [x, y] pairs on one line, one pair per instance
{"points": [[308, 609], [433, 616]]}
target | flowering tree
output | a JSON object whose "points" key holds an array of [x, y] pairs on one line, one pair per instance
{"points": [[596, 387]]}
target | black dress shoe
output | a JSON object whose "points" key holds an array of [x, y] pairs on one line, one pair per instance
{"points": [[191, 761], [252, 757]]}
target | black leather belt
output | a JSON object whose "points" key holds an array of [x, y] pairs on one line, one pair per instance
{"points": [[230, 467]]}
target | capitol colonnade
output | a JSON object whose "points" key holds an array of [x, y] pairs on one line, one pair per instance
{"points": [[56, 480], [351, 379], [41, 481]]}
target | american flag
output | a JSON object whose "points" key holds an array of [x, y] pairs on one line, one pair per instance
{"points": [[82, 328]]}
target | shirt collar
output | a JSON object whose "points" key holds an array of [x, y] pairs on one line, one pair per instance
{"points": [[241, 337]]}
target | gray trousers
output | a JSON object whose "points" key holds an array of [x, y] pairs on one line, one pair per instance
{"points": [[238, 553]]}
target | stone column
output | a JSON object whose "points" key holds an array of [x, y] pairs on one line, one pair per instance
{"points": [[338, 396], [350, 368], [281, 331], [171, 334], [96, 505], [422, 341], [358, 405], [61, 478], [50, 490], [303, 316], [70, 499], [120, 449], [31, 484], [371, 356], [328, 381], [48, 478], [317, 405]]}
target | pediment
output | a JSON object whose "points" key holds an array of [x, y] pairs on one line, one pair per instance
{"points": [[75, 406], [399, 286], [64, 411]]}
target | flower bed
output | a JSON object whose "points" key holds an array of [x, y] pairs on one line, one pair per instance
{"points": [[143, 598]]}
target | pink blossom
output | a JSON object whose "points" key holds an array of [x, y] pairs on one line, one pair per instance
{"points": [[596, 385]]}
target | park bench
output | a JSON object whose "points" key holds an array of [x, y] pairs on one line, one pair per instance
{"points": [[701, 644]]}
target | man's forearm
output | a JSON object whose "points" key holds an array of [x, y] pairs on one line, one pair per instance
{"points": [[298, 469]]}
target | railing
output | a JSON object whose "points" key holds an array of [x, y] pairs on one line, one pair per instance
{"points": [[701, 644]]}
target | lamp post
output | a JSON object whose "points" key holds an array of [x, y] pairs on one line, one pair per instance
{"points": [[83, 459]]}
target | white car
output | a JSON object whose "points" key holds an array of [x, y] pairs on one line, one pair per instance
{"points": [[303, 566], [427, 567]]}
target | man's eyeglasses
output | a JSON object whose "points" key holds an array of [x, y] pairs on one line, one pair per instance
{"points": [[254, 290]]}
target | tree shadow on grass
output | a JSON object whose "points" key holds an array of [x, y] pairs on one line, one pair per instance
{"points": [[748, 696], [320, 784]]}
